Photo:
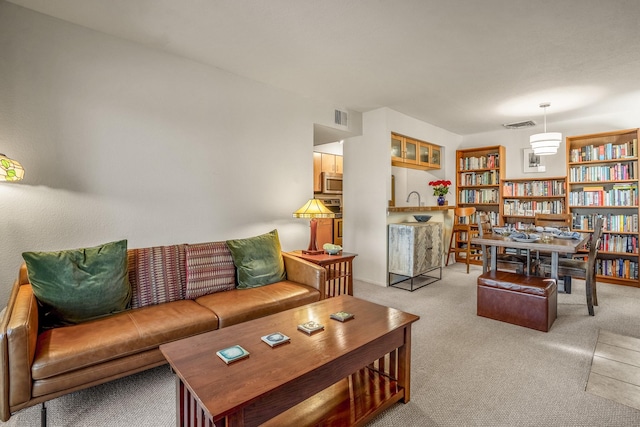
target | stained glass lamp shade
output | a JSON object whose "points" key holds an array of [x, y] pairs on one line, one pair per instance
{"points": [[10, 170]]}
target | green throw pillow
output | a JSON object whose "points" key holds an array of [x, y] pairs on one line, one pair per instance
{"points": [[258, 260], [76, 285]]}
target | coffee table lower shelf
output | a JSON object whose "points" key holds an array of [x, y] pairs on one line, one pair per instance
{"points": [[353, 401]]}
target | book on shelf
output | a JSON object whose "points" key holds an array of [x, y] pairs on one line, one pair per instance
{"points": [[232, 354], [341, 316], [275, 339], [310, 326]]}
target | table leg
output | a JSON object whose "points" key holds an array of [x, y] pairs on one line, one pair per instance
{"points": [[494, 258], [554, 265]]}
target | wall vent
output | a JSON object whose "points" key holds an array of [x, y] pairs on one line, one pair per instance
{"points": [[520, 125], [341, 118]]}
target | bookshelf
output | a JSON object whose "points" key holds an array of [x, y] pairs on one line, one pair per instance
{"points": [[523, 198], [479, 174], [602, 173]]}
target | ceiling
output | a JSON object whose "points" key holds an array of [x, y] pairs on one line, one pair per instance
{"points": [[467, 66]]}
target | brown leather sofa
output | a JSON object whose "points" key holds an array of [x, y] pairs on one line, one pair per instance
{"points": [[39, 365]]}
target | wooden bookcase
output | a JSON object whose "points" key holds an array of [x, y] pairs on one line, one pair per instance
{"points": [[479, 175], [602, 173], [523, 198]]}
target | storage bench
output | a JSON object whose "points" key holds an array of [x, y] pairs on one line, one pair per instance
{"points": [[529, 301]]}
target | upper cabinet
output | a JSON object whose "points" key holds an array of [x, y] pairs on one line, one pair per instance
{"points": [[323, 162], [412, 153]]}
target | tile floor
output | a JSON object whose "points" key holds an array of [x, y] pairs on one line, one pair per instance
{"points": [[615, 371]]}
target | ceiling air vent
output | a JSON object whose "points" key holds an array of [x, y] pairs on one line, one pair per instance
{"points": [[519, 125], [341, 118]]}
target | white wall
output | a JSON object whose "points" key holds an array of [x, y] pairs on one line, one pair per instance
{"points": [[515, 141], [367, 185], [120, 141]]}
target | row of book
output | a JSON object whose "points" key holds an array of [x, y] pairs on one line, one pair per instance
{"points": [[532, 207], [623, 268], [480, 178], [490, 161], [612, 222], [619, 243], [485, 195], [616, 196], [608, 151], [534, 188], [613, 172]]}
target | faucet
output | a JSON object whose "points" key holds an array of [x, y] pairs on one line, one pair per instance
{"points": [[418, 194]]}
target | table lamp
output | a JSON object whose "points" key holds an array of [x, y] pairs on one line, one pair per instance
{"points": [[10, 170], [313, 209]]}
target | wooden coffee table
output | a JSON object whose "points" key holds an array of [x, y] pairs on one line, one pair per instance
{"points": [[344, 374]]}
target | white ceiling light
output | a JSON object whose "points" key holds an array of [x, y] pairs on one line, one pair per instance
{"points": [[546, 143]]}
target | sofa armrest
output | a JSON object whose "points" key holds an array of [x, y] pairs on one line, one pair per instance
{"points": [[305, 272], [18, 338]]}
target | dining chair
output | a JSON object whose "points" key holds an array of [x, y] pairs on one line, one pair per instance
{"points": [[557, 221], [580, 268], [503, 261], [552, 220], [461, 234]]}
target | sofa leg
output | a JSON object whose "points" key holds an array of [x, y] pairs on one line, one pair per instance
{"points": [[43, 416]]}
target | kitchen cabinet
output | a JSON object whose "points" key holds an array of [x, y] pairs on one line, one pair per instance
{"points": [[412, 153], [323, 162]]}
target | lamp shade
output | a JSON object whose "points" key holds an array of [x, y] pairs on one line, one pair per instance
{"points": [[314, 208], [544, 144], [10, 170]]}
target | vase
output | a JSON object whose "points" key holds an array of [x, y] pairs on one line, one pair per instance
{"points": [[441, 200]]}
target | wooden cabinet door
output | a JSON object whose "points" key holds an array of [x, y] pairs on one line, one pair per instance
{"points": [[339, 160], [424, 154], [434, 158], [317, 172], [410, 151], [328, 163]]}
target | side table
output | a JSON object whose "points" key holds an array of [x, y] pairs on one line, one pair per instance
{"points": [[339, 271]]}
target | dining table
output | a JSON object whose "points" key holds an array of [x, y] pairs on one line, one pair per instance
{"points": [[545, 243]]}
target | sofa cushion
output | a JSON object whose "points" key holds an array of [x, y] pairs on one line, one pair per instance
{"points": [[74, 347], [258, 260], [209, 269], [79, 284], [157, 275], [240, 305]]}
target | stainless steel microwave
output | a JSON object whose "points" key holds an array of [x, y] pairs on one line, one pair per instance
{"points": [[331, 183]]}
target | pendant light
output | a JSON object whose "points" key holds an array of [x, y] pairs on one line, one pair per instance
{"points": [[547, 143]]}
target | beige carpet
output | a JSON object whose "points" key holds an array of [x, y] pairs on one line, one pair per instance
{"points": [[615, 370], [466, 370]]}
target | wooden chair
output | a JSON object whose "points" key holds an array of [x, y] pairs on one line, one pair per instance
{"points": [[461, 234], [509, 262], [552, 220], [557, 221], [580, 268]]}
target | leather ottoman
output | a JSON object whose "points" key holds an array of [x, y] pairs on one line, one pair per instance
{"points": [[528, 301]]}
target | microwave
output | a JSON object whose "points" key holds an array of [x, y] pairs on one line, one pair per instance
{"points": [[331, 183]]}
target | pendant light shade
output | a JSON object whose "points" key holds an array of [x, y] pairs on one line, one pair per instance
{"points": [[546, 143]]}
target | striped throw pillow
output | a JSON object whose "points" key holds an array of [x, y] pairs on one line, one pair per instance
{"points": [[209, 269], [157, 275]]}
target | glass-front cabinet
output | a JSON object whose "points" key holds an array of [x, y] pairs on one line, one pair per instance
{"points": [[413, 153]]}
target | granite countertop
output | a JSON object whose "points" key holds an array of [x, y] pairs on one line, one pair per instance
{"points": [[420, 208]]}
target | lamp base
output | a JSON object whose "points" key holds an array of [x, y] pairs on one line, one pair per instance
{"points": [[316, 252]]}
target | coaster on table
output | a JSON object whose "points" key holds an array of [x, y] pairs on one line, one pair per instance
{"points": [[310, 326], [275, 338], [231, 354]]}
